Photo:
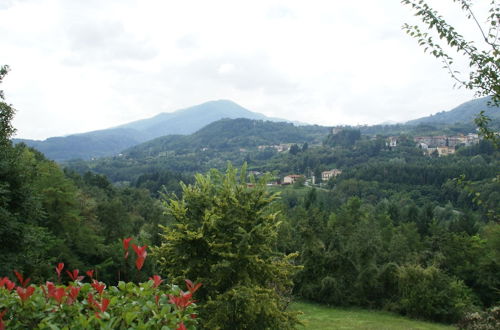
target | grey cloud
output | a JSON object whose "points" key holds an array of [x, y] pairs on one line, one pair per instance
{"points": [[104, 41], [246, 73]]}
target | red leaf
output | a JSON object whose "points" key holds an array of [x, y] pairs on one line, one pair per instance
{"points": [[74, 275], [90, 299], [58, 294], [182, 301], [140, 250], [25, 293], [90, 273], [6, 283], [20, 278], [73, 292], [50, 288], [10, 285], [141, 253], [157, 280], [104, 305], [181, 326], [139, 262], [99, 287], [2, 325], [59, 268], [192, 287], [126, 242]]}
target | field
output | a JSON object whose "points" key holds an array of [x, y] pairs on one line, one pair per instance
{"points": [[322, 317]]}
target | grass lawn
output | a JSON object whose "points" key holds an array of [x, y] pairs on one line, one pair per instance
{"points": [[323, 317]]}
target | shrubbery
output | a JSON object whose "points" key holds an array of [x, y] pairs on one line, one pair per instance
{"points": [[224, 234], [488, 320], [77, 305], [431, 294], [84, 306]]}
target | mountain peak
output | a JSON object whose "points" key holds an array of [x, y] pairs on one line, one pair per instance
{"points": [[113, 140]]}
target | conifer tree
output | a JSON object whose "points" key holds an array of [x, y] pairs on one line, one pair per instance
{"points": [[224, 236]]}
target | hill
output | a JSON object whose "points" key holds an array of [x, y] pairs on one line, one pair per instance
{"points": [[230, 135], [463, 114], [111, 141], [234, 140]]}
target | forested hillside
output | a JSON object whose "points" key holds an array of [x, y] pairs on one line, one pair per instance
{"points": [[112, 141], [234, 140], [396, 229]]}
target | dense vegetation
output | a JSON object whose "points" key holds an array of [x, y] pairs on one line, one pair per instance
{"points": [[397, 230], [225, 234]]}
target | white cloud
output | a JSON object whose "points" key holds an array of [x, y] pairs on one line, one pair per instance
{"points": [[84, 65]]}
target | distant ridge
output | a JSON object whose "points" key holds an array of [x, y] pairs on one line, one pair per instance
{"points": [[464, 113], [111, 141], [189, 120]]}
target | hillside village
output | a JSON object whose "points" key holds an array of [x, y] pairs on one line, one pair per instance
{"points": [[440, 145], [430, 145]]}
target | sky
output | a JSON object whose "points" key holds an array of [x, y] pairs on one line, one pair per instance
{"points": [[83, 65]]}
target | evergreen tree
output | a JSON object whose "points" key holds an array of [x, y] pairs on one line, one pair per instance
{"points": [[225, 236]]}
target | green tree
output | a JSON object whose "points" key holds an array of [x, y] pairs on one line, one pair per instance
{"points": [[224, 236], [484, 60], [294, 149], [6, 113], [432, 294]]}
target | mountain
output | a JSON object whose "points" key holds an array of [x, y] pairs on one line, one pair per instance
{"points": [[189, 120], [463, 114], [233, 140], [111, 141], [230, 135]]}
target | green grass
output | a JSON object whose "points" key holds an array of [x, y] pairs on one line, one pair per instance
{"points": [[323, 317]]}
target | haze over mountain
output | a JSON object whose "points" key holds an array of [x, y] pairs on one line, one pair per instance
{"points": [[464, 113], [111, 141]]}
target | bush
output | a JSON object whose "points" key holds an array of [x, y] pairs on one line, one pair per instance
{"points": [[225, 236], [488, 320], [431, 294], [148, 305]]}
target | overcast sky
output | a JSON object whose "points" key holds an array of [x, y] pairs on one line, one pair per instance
{"points": [[82, 65]]}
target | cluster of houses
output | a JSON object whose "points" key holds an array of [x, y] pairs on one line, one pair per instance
{"points": [[278, 147], [293, 178], [442, 145], [325, 176]]}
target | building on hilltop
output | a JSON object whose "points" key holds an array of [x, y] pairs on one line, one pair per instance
{"points": [[292, 178], [445, 151], [392, 141], [327, 175]]}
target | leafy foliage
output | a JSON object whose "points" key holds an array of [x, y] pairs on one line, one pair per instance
{"points": [[431, 294], [224, 235], [92, 306], [6, 113]]}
